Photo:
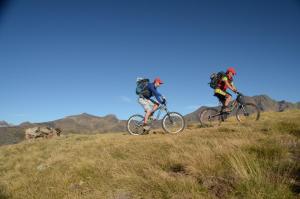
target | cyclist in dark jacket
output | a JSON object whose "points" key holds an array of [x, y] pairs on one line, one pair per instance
{"points": [[150, 105]]}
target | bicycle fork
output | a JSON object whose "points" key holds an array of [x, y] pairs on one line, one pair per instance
{"points": [[244, 110], [170, 118]]}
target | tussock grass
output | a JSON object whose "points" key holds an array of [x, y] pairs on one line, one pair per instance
{"points": [[3, 193], [253, 160]]}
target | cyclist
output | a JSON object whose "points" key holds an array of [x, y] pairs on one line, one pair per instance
{"points": [[221, 91], [150, 105]]}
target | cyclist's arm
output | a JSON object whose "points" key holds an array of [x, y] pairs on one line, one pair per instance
{"points": [[156, 94], [230, 86], [234, 88]]}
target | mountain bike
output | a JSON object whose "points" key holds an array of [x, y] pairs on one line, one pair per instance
{"points": [[245, 111], [172, 122]]}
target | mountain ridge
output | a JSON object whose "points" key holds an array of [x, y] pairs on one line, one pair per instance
{"points": [[4, 124], [86, 123]]}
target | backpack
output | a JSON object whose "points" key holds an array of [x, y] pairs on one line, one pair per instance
{"points": [[215, 79], [141, 87]]}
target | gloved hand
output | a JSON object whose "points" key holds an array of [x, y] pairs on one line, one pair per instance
{"points": [[164, 100]]}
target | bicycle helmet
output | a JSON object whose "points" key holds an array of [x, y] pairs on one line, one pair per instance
{"points": [[231, 70]]}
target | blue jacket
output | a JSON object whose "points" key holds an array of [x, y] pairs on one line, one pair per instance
{"points": [[154, 92]]}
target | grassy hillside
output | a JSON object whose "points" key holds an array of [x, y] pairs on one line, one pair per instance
{"points": [[255, 160]]}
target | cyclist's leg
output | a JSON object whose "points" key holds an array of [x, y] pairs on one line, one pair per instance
{"points": [[147, 106], [155, 106], [221, 98], [228, 99]]}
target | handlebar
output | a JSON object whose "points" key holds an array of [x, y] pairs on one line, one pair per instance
{"points": [[239, 93], [240, 98], [163, 106], [164, 101]]}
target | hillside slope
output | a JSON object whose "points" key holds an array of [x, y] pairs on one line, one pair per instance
{"points": [[253, 160], [11, 135]]}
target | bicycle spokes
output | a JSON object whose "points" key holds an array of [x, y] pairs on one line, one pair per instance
{"points": [[135, 125], [173, 123], [209, 117]]}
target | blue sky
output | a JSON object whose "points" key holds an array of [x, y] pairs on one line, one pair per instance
{"points": [[63, 57]]}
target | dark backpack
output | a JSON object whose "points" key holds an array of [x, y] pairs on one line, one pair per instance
{"points": [[215, 78], [141, 87]]}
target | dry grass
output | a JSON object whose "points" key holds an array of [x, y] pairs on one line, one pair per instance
{"points": [[253, 160]]}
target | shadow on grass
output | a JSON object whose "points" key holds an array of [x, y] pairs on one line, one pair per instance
{"points": [[289, 127], [3, 193], [296, 185]]}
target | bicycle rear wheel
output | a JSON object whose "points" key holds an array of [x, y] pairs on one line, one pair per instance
{"points": [[173, 123], [209, 117], [248, 112], [135, 125]]}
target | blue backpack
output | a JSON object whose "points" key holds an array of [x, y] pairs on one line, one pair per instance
{"points": [[141, 87]]}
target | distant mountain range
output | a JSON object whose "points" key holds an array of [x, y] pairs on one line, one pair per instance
{"points": [[79, 124], [4, 124], [84, 124], [90, 124]]}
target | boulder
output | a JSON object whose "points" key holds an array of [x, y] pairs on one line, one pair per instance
{"points": [[41, 132]]}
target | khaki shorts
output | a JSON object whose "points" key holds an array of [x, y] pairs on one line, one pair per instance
{"points": [[146, 104]]}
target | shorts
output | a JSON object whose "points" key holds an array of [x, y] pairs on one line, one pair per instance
{"points": [[147, 104], [221, 95]]}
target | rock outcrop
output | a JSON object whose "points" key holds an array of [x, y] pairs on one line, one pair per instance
{"points": [[41, 132]]}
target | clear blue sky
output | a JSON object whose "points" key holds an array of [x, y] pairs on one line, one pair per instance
{"points": [[64, 57]]}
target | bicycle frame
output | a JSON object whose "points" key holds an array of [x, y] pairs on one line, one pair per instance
{"points": [[161, 108], [234, 105], [240, 107], [156, 121]]}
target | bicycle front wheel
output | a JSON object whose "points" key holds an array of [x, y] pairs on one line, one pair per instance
{"points": [[135, 125], [248, 112], [209, 117], [173, 123]]}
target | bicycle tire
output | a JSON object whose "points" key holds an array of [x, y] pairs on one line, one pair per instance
{"points": [[166, 126], [136, 127], [205, 116]]}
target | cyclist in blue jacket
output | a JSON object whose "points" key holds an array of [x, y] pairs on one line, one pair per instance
{"points": [[150, 105]]}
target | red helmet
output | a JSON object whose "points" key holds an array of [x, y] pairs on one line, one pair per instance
{"points": [[231, 70], [158, 80]]}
